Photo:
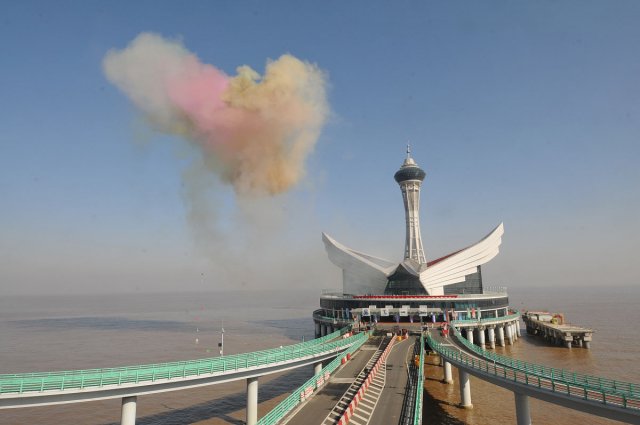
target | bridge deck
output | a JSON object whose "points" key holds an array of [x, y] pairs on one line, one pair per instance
{"points": [[322, 403], [599, 396], [389, 407]]}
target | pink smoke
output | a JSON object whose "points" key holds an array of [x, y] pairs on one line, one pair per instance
{"points": [[254, 131]]}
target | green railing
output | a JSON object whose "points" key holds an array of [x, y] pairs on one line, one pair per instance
{"points": [[486, 321], [90, 378], [569, 377], [417, 412], [286, 405], [526, 376]]}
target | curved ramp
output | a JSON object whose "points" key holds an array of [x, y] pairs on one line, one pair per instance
{"points": [[614, 400]]}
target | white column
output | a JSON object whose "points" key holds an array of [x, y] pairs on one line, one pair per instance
{"points": [[492, 337], [507, 330], [465, 389], [128, 416], [470, 335], [448, 377], [523, 416], [317, 368], [252, 401], [518, 328], [501, 335], [481, 337]]}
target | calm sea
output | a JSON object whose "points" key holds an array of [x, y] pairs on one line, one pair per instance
{"points": [[41, 333]]}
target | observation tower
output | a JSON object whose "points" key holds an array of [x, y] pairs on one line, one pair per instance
{"points": [[410, 178], [380, 290]]}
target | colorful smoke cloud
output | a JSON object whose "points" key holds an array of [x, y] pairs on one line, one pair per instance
{"points": [[254, 132]]}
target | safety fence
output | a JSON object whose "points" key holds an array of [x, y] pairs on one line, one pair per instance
{"points": [[488, 320], [353, 405], [417, 412], [558, 375], [528, 374], [26, 383], [316, 381]]}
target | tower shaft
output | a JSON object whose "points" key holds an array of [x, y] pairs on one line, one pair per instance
{"points": [[413, 248]]}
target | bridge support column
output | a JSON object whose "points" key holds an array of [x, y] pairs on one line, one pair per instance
{"points": [[128, 416], [481, 337], [323, 329], [501, 336], [465, 390], [317, 368], [518, 328], [448, 377], [318, 330], [507, 331], [587, 344], [514, 331], [492, 337], [252, 401], [470, 335], [523, 416]]}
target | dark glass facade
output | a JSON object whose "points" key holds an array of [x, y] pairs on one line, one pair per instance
{"points": [[403, 282], [457, 304]]}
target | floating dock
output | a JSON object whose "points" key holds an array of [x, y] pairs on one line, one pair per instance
{"points": [[553, 328]]}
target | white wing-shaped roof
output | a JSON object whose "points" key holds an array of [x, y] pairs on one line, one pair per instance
{"points": [[362, 273], [454, 267]]}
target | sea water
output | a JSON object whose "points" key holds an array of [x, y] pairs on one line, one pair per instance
{"points": [[44, 333]]}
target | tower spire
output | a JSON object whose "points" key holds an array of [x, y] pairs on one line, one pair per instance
{"points": [[410, 178]]}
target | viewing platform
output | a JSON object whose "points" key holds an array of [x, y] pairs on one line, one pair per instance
{"points": [[554, 329]]}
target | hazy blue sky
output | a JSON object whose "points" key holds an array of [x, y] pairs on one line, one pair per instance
{"points": [[519, 111]]}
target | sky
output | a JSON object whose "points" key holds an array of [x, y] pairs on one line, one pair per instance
{"points": [[521, 112]]}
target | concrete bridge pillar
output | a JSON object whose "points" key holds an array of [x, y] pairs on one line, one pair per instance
{"points": [[518, 328], [523, 416], [252, 401], [507, 329], [318, 330], [470, 335], [323, 330], [514, 331], [448, 377], [128, 416], [501, 336], [465, 389], [317, 368], [492, 336], [481, 337]]}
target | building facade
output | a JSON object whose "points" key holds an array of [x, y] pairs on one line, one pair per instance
{"points": [[415, 289]]}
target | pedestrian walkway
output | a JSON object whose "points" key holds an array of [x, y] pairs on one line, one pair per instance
{"points": [[322, 404]]}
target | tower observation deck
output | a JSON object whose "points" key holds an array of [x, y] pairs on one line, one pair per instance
{"points": [[410, 178]]}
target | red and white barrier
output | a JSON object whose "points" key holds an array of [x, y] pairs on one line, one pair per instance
{"points": [[344, 419]]}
